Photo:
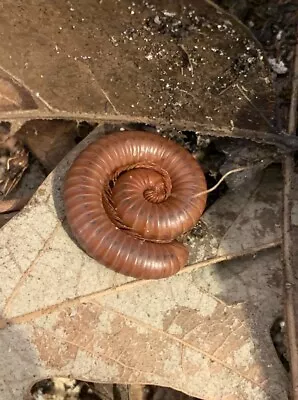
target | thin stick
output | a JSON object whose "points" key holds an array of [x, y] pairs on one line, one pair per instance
{"points": [[109, 101], [222, 179], [290, 283], [233, 171]]}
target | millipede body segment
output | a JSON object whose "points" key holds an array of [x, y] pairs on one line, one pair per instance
{"points": [[128, 196]]}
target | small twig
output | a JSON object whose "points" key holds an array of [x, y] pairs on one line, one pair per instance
{"points": [[290, 281], [109, 100], [231, 85], [233, 171], [240, 169], [187, 57], [189, 94]]}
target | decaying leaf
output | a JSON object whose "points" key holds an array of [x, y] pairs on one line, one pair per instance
{"points": [[67, 315], [13, 162], [187, 64], [14, 96], [25, 189], [49, 141]]}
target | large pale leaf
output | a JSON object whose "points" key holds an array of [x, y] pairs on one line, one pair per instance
{"points": [[205, 332]]}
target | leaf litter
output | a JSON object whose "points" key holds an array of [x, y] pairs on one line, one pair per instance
{"points": [[165, 20]]}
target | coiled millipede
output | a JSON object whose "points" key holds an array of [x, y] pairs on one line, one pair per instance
{"points": [[128, 196]]}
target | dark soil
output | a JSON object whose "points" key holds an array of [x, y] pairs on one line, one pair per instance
{"points": [[273, 22]]}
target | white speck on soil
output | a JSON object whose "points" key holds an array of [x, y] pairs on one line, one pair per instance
{"points": [[278, 66]]}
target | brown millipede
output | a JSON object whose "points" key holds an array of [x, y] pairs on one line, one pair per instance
{"points": [[128, 196]]}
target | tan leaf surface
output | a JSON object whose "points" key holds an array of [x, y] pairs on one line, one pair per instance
{"points": [[204, 331]]}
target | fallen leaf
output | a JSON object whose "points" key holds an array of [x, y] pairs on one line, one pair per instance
{"points": [[13, 162], [49, 141], [67, 315], [14, 96], [205, 72]]}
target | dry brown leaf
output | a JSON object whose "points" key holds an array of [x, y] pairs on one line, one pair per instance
{"points": [[13, 95], [25, 189], [196, 331], [138, 63], [49, 141]]}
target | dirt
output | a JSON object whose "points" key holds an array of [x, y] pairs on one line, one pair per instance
{"points": [[273, 22], [70, 389]]}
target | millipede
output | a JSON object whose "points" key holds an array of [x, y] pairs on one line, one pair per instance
{"points": [[128, 196]]}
